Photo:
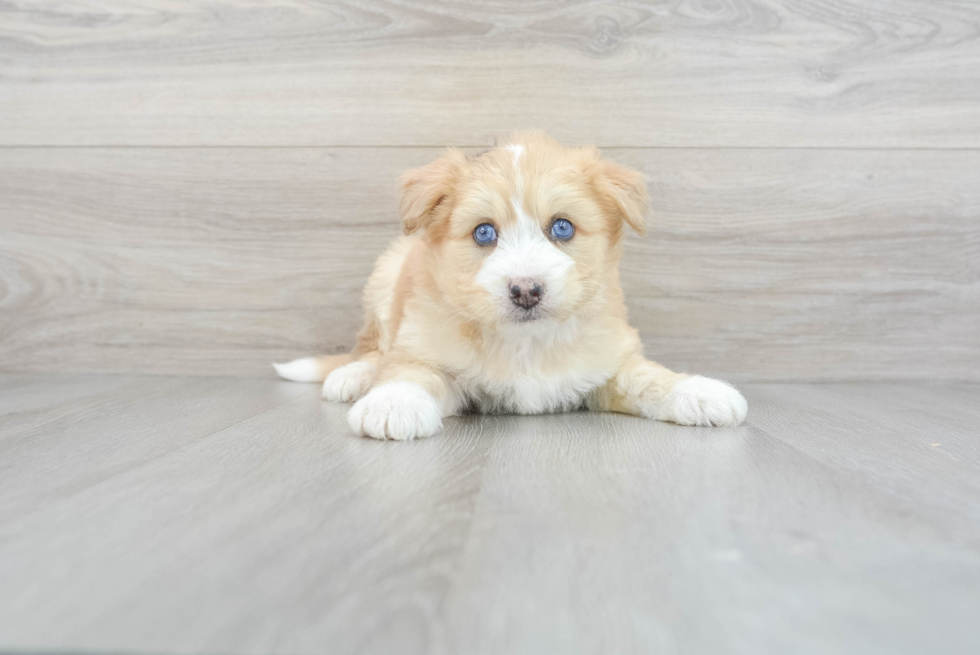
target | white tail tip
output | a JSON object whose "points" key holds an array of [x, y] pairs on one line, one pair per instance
{"points": [[305, 369]]}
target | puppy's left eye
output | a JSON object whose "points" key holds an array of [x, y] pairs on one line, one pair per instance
{"points": [[562, 229]]}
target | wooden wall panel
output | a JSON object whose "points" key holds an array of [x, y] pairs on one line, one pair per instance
{"points": [[762, 264], [747, 73]]}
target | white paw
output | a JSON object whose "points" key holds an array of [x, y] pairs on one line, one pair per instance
{"points": [[348, 383], [699, 400], [396, 410]]}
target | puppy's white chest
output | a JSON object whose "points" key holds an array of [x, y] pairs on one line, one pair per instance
{"points": [[531, 394]]}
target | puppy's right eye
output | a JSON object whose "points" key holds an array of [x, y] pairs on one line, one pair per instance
{"points": [[485, 234]]}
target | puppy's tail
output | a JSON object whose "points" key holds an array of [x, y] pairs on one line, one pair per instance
{"points": [[312, 369]]}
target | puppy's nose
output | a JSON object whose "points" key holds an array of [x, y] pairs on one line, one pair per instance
{"points": [[525, 292]]}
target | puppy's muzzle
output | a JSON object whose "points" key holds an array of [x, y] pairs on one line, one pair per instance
{"points": [[525, 292]]}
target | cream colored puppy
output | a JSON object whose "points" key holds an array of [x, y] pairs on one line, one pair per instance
{"points": [[505, 297]]}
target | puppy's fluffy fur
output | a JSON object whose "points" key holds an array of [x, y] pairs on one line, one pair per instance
{"points": [[528, 323]]}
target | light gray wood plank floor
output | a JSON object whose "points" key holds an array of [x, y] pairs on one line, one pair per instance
{"points": [[223, 515]]}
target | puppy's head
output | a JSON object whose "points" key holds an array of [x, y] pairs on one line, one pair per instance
{"points": [[528, 232]]}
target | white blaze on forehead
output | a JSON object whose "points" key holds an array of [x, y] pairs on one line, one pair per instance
{"points": [[517, 150], [517, 200], [522, 248]]}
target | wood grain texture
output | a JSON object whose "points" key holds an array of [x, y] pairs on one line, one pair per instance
{"points": [[761, 264], [426, 72], [831, 522], [48, 451]]}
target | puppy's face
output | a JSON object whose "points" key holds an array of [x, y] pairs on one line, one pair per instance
{"points": [[527, 233]]}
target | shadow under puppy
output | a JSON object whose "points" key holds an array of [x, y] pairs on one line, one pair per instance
{"points": [[504, 297]]}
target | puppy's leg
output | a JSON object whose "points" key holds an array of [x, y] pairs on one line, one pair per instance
{"points": [[349, 383], [648, 389], [407, 401]]}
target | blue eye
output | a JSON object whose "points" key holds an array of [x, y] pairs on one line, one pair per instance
{"points": [[485, 234], [562, 229]]}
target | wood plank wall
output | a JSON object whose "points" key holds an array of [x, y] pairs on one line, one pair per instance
{"points": [[200, 187]]}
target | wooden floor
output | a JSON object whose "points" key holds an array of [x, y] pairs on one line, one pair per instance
{"points": [[224, 515]]}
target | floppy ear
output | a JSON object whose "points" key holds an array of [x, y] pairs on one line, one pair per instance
{"points": [[427, 189], [628, 191]]}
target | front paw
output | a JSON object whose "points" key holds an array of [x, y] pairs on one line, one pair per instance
{"points": [[396, 410], [699, 400]]}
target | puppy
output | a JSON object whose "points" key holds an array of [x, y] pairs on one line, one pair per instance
{"points": [[504, 297]]}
